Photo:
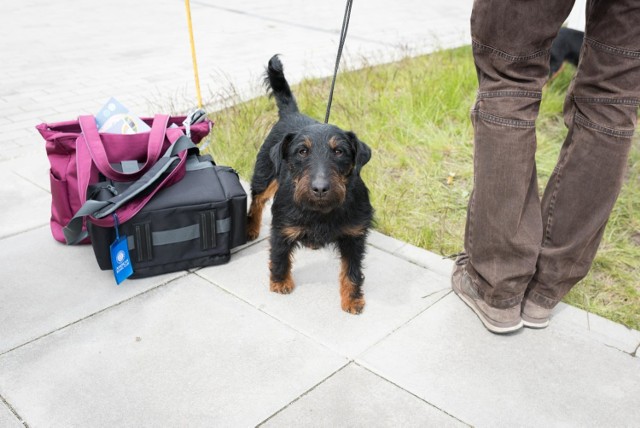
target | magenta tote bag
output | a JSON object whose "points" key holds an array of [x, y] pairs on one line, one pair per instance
{"points": [[78, 153]]}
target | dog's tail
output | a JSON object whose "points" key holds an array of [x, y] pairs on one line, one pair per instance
{"points": [[280, 90]]}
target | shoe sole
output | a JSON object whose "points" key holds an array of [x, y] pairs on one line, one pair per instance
{"points": [[491, 327], [534, 324]]}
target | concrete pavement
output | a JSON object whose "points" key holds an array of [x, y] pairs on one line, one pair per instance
{"points": [[213, 347]]}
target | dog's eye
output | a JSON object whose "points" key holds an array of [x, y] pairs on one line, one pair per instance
{"points": [[303, 152], [338, 152]]}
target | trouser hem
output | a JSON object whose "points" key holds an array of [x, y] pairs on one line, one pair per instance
{"points": [[482, 287], [540, 299]]}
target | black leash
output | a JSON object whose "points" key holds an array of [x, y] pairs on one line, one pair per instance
{"points": [[343, 36]]}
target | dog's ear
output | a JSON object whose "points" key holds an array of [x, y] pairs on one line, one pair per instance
{"points": [[361, 150], [278, 153]]}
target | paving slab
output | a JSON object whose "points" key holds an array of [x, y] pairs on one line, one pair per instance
{"points": [[32, 165], [599, 329], [384, 242], [419, 256], [550, 377], [355, 397], [424, 258], [23, 204], [186, 353], [47, 285], [24, 190], [395, 291], [7, 418]]}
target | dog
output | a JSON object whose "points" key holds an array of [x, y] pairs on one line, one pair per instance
{"points": [[312, 172], [565, 47]]}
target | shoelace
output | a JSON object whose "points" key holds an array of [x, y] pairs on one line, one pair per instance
{"points": [[460, 258]]}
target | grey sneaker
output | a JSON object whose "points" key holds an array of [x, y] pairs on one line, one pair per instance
{"points": [[495, 320], [534, 316]]}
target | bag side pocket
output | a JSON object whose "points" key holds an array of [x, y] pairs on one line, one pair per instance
{"points": [[237, 197], [61, 212]]}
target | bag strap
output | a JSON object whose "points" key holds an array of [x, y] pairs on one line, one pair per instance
{"points": [[91, 138], [73, 232]]}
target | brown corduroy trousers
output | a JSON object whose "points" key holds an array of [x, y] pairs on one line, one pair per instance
{"points": [[518, 244]]}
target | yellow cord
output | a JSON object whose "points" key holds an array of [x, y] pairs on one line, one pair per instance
{"points": [[193, 53]]}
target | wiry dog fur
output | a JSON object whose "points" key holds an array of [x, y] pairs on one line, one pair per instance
{"points": [[312, 170]]}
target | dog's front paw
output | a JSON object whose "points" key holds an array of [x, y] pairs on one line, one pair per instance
{"points": [[353, 305], [282, 287]]}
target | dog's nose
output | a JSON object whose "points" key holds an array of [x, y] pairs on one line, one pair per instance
{"points": [[320, 187]]}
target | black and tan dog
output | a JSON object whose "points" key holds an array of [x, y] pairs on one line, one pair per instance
{"points": [[566, 47], [312, 170]]}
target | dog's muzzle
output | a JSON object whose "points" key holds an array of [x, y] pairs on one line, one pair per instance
{"points": [[320, 193]]}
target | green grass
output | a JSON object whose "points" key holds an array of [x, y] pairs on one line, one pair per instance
{"points": [[415, 116]]}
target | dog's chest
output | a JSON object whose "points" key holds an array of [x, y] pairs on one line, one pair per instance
{"points": [[318, 235], [313, 234]]}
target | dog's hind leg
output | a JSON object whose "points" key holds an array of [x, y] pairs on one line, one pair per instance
{"points": [[280, 263], [259, 197], [351, 278]]}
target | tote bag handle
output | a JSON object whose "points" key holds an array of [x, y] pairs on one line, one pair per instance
{"points": [[91, 138]]}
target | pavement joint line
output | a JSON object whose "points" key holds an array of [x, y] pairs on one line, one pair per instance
{"points": [[421, 263], [283, 322], [185, 274], [32, 182], [11, 235], [448, 291], [432, 293], [249, 244], [635, 353], [409, 392], [292, 24], [306, 393], [632, 354], [13, 411]]}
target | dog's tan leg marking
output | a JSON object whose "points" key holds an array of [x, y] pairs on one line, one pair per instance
{"points": [[292, 233], [349, 303], [355, 231], [254, 218], [282, 287]]}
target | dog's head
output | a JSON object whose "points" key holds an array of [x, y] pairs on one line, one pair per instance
{"points": [[321, 160]]}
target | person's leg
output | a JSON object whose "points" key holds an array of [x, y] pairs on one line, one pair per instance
{"points": [[511, 42], [601, 113]]}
